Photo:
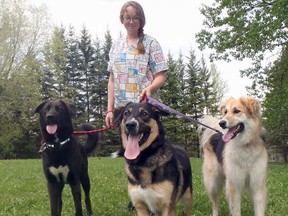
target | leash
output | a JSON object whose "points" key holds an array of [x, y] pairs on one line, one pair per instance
{"points": [[152, 101], [142, 99], [98, 130], [170, 110]]}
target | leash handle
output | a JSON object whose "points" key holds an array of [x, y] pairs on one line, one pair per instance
{"points": [[143, 99]]}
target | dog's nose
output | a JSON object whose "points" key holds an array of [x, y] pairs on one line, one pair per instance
{"points": [[222, 124], [131, 125], [50, 118]]}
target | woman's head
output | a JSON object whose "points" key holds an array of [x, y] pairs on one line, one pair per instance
{"points": [[139, 11], [132, 16]]}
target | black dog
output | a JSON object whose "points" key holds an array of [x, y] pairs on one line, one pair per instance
{"points": [[64, 160], [159, 174]]}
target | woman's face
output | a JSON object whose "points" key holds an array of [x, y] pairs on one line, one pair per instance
{"points": [[131, 21]]}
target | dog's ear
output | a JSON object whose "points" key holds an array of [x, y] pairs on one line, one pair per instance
{"points": [[223, 104], [159, 111], [118, 112], [72, 110], [38, 108], [252, 105]]}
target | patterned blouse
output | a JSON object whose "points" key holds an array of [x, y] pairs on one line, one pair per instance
{"points": [[133, 71]]}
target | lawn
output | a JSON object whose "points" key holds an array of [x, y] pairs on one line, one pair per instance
{"points": [[23, 190]]}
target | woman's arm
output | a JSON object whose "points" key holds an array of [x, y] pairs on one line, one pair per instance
{"points": [[110, 100], [157, 83]]}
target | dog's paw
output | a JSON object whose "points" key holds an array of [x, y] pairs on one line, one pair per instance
{"points": [[114, 154]]}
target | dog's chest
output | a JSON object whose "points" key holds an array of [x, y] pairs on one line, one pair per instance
{"points": [[60, 173], [151, 197]]}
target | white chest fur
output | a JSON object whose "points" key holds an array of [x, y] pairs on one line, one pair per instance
{"points": [[60, 173], [149, 196]]}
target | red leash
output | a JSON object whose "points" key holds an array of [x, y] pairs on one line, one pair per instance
{"points": [[96, 131], [142, 100]]}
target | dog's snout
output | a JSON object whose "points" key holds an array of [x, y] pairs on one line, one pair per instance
{"points": [[222, 124], [131, 125], [50, 118]]}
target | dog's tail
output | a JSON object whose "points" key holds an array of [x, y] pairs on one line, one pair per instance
{"points": [[92, 139], [206, 133]]}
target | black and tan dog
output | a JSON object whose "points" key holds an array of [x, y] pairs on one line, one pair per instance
{"points": [[64, 160], [159, 174]]}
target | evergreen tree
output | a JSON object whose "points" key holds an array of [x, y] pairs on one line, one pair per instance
{"points": [[99, 89], [55, 61], [87, 70], [171, 95], [218, 88], [275, 105], [71, 73]]}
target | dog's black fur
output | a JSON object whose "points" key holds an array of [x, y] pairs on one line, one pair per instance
{"points": [[159, 168], [64, 160]]}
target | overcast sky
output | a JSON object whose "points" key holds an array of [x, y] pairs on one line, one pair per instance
{"points": [[172, 23]]}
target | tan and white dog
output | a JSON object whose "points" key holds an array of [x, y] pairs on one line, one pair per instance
{"points": [[237, 159]]}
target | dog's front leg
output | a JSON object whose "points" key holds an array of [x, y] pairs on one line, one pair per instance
{"points": [[258, 196], [76, 192], [141, 209], [55, 196], [234, 198]]}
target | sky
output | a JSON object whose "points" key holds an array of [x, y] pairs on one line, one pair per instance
{"points": [[173, 23]]}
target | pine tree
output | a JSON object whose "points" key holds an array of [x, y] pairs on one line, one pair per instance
{"points": [[99, 89], [55, 60], [71, 73], [87, 70]]}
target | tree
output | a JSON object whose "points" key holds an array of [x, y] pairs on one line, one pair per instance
{"points": [[55, 61], [99, 89], [87, 70], [171, 94], [218, 88], [23, 30], [245, 29], [275, 111], [72, 75]]}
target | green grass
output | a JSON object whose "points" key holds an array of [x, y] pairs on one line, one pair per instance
{"points": [[23, 190]]}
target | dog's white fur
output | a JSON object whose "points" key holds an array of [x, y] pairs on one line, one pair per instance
{"points": [[244, 157]]}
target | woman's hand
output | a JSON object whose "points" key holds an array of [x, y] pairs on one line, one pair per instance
{"points": [[109, 118]]}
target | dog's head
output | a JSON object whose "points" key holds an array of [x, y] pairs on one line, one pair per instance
{"points": [[55, 116], [140, 127], [239, 116]]}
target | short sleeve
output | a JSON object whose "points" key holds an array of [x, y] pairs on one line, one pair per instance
{"points": [[157, 60], [111, 58]]}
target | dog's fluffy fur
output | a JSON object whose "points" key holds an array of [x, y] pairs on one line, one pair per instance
{"points": [[64, 160], [238, 159], [159, 174]]}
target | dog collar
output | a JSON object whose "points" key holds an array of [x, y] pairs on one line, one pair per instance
{"points": [[47, 145]]}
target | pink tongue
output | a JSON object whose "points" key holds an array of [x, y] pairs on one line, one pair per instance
{"points": [[51, 129], [132, 149], [229, 135]]}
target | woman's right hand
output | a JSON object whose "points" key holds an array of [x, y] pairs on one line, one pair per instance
{"points": [[109, 119]]}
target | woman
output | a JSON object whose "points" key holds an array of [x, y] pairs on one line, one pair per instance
{"points": [[137, 65]]}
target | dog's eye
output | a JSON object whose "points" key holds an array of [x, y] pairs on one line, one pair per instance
{"points": [[144, 113], [126, 113], [47, 108], [236, 111]]}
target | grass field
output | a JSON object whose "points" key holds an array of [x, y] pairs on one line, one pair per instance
{"points": [[23, 190]]}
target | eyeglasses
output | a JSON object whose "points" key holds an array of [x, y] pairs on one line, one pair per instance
{"points": [[128, 19]]}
